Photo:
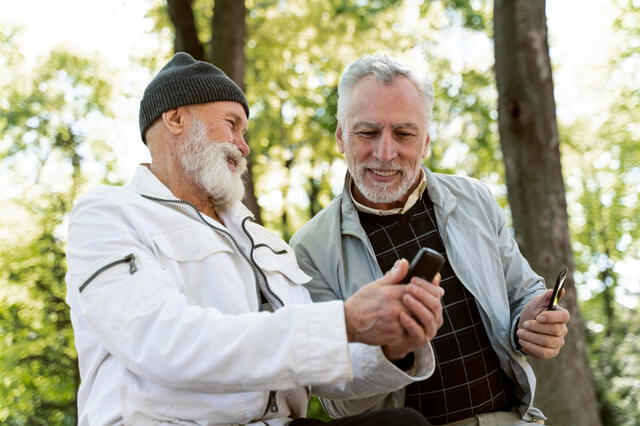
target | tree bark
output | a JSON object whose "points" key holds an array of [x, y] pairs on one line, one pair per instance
{"points": [[186, 34], [529, 140], [229, 33], [229, 30]]}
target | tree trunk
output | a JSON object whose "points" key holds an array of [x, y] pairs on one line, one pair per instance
{"points": [[186, 34], [229, 29], [529, 140]]}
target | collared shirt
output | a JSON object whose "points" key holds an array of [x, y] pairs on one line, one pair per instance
{"points": [[415, 195]]}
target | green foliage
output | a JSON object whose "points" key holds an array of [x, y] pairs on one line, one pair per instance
{"points": [[43, 141], [473, 14], [38, 362], [603, 177], [615, 360], [315, 410]]}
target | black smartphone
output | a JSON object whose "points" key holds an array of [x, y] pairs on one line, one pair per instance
{"points": [[426, 264], [557, 289]]}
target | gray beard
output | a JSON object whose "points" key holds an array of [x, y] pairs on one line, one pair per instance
{"points": [[206, 162], [382, 193]]}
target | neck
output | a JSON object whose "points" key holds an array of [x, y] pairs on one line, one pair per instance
{"points": [[185, 188]]}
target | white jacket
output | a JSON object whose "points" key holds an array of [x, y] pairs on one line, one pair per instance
{"points": [[164, 306]]}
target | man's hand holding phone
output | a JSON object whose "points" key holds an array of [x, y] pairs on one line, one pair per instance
{"points": [[543, 324], [423, 302]]}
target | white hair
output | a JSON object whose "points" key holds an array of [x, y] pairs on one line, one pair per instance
{"points": [[385, 69]]}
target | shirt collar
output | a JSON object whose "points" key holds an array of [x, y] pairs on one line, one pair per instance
{"points": [[415, 195]]}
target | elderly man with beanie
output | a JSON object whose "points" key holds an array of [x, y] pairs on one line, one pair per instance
{"points": [[185, 311]]}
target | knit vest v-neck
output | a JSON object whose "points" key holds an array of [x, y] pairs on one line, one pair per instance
{"points": [[468, 379]]}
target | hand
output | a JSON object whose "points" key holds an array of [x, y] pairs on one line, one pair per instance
{"points": [[372, 313], [541, 332], [423, 300]]}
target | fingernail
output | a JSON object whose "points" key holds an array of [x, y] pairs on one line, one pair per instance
{"points": [[396, 266], [526, 324], [542, 318]]}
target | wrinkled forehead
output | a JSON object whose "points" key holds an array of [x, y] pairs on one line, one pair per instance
{"points": [[385, 103]]}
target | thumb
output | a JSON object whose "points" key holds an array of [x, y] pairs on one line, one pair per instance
{"points": [[396, 274]]}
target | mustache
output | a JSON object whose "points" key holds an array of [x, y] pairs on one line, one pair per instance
{"points": [[234, 154], [382, 165]]}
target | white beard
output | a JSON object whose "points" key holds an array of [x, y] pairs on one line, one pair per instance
{"points": [[206, 162], [380, 192]]}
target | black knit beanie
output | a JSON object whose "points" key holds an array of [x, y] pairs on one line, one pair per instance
{"points": [[185, 81]]}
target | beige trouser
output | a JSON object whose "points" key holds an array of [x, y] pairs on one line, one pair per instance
{"points": [[497, 418]]}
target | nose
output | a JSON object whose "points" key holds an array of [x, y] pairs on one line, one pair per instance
{"points": [[385, 149], [242, 145]]}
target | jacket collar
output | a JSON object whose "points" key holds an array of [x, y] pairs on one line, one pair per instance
{"points": [[438, 192], [441, 196], [144, 182]]}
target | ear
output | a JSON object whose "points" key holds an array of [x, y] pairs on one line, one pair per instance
{"points": [[174, 121], [339, 140], [425, 150]]}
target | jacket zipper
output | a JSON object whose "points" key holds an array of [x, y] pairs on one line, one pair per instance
{"points": [[130, 259], [254, 267], [271, 401], [253, 246], [272, 404]]}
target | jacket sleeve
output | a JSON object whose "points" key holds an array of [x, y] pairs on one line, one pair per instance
{"points": [[375, 379], [143, 319], [522, 282]]}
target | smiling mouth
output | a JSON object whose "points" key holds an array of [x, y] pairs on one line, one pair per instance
{"points": [[384, 173]]}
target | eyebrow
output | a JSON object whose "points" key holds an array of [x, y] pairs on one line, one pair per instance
{"points": [[378, 126], [407, 125], [367, 124]]}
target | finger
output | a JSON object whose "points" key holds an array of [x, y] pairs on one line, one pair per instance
{"points": [[424, 283], [436, 279], [548, 329], [536, 351], [430, 295], [557, 316], [545, 298], [426, 318], [542, 340], [396, 274], [415, 333]]}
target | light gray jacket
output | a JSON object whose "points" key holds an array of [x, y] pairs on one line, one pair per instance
{"points": [[334, 250]]}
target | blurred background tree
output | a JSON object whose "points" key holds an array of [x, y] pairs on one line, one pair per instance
{"points": [[44, 148], [53, 115]]}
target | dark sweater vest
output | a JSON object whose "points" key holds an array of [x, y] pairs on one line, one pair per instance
{"points": [[468, 379]]}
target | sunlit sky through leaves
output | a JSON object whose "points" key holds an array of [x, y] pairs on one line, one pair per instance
{"points": [[581, 39], [117, 30]]}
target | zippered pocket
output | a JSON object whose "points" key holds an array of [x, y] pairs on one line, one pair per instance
{"points": [[130, 259]]}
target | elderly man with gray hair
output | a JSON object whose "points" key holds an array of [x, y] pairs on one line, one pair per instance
{"points": [[391, 206]]}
